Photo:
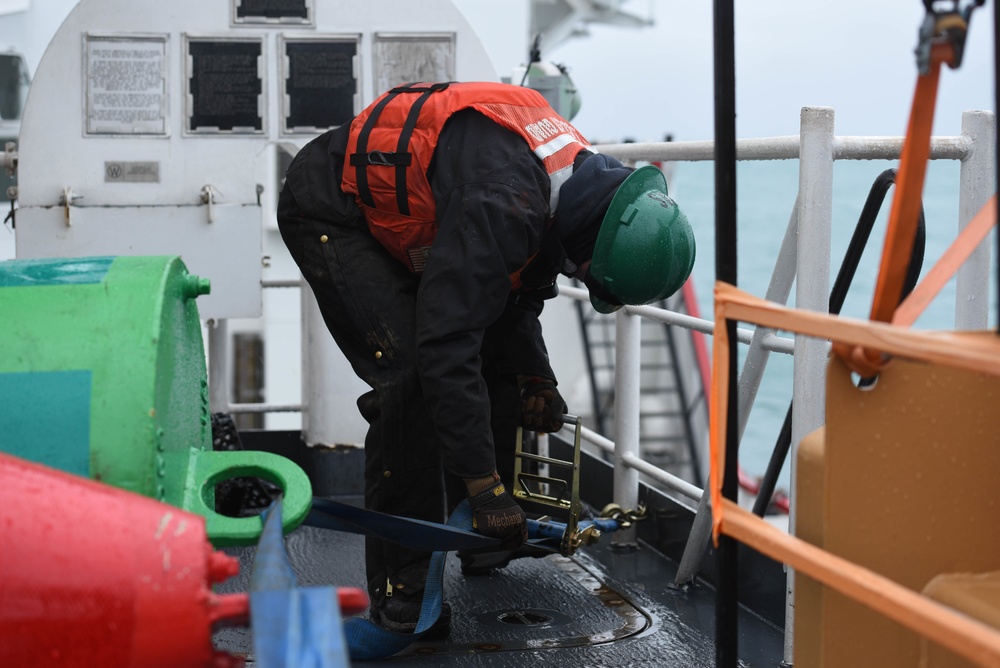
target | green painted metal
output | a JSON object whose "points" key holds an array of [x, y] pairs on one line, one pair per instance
{"points": [[47, 418], [27, 273], [645, 249], [127, 329]]}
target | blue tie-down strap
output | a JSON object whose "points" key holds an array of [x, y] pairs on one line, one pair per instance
{"points": [[431, 536], [367, 640], [301, 627], [549, 533], [293, 627], [406, 531]]}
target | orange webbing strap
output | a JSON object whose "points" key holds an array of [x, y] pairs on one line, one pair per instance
{"points": [[960, 350], [960, 633], [947, 265], [905, 211], [717, 407]]}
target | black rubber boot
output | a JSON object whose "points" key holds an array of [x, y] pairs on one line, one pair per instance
{"points": [[401, 612]]}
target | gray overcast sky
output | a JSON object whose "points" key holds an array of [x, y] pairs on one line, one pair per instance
{"points": [[853, 55]]}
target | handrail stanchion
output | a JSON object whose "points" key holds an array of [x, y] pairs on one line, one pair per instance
{"points": [[780, 286], [976, 186], [627, 382], [218, 365], [812, 292]]}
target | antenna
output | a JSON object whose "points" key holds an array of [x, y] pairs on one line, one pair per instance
{"points": [[534, 56]]}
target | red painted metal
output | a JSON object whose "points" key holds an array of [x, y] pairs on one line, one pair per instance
{"points": [[353, 601], [93, 575]]}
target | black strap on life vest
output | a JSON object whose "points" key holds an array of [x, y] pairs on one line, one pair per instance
{"points": [[400, 158]]}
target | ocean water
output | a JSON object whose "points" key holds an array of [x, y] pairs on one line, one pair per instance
{"points": [[765, 198]]}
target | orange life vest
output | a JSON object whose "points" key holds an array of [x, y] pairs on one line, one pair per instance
{"points": [[392, 142]]}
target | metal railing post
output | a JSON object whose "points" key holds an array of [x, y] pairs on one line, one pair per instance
{"points": [[782, 279], [812, 292], [627, 375], [976, 186], [218, 365]]}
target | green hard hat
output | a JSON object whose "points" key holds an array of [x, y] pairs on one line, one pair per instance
{"points": [[645, 248]]}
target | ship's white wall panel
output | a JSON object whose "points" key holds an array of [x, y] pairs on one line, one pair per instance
{"points": [[149, 230], [166, 212], [56, 153]]}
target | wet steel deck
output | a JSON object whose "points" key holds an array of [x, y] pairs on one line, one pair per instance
{"points": [[600, 607]]}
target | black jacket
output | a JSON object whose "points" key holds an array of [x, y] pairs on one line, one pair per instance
{"points": [[492, 199], [492, 196]]}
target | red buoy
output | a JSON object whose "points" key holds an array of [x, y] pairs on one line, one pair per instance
{"points": [[92, 575]]}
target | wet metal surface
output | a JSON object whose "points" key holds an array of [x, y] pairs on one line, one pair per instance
{"points": [[597, 608], [535, 604]]}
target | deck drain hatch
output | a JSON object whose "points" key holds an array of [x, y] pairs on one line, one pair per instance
{"points": [[524, 618]]}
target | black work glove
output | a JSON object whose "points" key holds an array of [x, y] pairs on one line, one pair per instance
{"points": [[497, 515], [542, 407]]}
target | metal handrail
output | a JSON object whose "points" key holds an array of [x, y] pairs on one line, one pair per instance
{"points": [[781, 148], [774, 343], [807, 244]]}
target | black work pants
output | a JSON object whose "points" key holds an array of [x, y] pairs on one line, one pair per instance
{"points": [[368, 301]]}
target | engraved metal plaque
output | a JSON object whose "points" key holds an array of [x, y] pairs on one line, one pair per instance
{"points": [[401, 58], [321, 85], [131, 171], [125, 85], [225, 86]]}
